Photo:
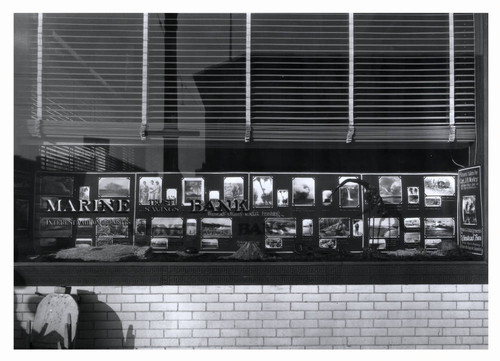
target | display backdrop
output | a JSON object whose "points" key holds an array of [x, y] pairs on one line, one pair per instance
{"points": [[470, 209]]}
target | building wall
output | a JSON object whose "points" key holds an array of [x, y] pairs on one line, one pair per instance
{"points": [[324, 316]]}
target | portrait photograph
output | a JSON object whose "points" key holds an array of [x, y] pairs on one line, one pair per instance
{"points": [[84, 193], [217, 227], [56, 227], [327, 243], [169, 227], [469, 217], [412, 223], [334, 227], [439, 227], [357, 228], [234, 188], [389, 188], [190, 227], [57, 186], [171, 196], [412, 237], [383, 227], [159, 244], [273, 243], [150, 189], [303, 190], [116, 227], [432, 201], [439, 186], [140, 227], [413, 195], [193, 189], [307, 227], [114, 187], [326, 197], [348, 194], [282, 197], [208, 244], [262, 187], [283, 227]]}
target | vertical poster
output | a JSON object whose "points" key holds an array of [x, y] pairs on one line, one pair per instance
{"points": [[470, 209]]}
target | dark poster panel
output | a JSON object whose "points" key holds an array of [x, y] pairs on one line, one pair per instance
{"points": [[470, 209]]}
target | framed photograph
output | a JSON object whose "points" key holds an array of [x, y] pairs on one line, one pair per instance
{"points": [[171, 196], [439, 186], [303, 191], [83, 242], [357, 228], [213, 195], [469, 216], [334, 227], [159, 244], [216, 227], [412, 237], [377, 243], [140, 227], [56, 227], [307, 227], [115, 227], [383, 227], [84, 193], [113, 187], [348, 194], [412, 223], [57, 186], [21, 214], [171, 227], [262, 187], [150, 190], [273, 243], [209, 244], [282, 227], [193, 189], [439, 227], [283, 198], [389, 188], [234, 188], [190, 227], [431, 244], [328, 243], [413, 195], [433, 201], [84, 223], [326, 197]]}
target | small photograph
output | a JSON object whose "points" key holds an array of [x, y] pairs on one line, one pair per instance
{"points": [[159, 244], [412, 237], [334, 227], [469, 217], [273, 243], [56, 227], [213, 195], [150, 190], [208, 244], [171, 227], [115, 227], [234, 188], [193, 189], [377, 243], [84, 193], [262, 191], [113, 187], [383, 227], [191, 227], [433, 201], [390, 189], [140, 227], [412, 223], [348, 194], [84, 223], [57, 186], [326, 197], [282, 197], [357, 228], [283, 227], [328, 243], [439, 186], [217, 227], [83, 242], [413, 195], [431, 244], [104, 241], [303, 191], [439, 227], [307, 227], [171, 196]]}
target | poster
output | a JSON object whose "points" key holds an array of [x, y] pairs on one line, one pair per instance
{"points": [[470, 210]]}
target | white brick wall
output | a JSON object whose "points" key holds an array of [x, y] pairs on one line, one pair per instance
{"points": [[298, 316]]}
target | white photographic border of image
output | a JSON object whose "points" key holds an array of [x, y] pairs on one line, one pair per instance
{"points": [[282, 205], [313, 192], [418, 194], [433, 205], [176, 196], [435, 241], [437, 194], [204, 249], [80, 192], [323, 197], [99, 188], [227, 181], [447, 237], [136, 224], [341, 179], [159, 249], [401, 184], [463, 210], [192, 179], [312, 227], [409, 234], [139, 183], [218, 236], [268, 239], [152, 224], [330, 237], [412, 227], [213, 192], [192, 220], [272, 191], [284, 236], [361, 222], [328, 240], [84, 242]]}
